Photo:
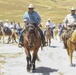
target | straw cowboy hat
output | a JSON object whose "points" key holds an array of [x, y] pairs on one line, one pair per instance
{"points": [[31, 6], [72, 8]]}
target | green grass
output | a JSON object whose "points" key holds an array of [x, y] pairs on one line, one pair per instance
{"points": [[15, 9]]}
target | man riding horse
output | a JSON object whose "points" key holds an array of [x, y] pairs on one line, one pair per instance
{"points": [[50, 24], [32, 17], [70, 19], [70, 25], [6, 26]]}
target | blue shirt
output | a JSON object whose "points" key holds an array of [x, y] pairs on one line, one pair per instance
{"points": [[32, 17]]}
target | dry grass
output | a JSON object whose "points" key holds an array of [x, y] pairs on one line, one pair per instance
{"points": [[15, 9]]}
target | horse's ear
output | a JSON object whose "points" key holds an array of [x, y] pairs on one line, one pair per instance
{"points": [[27, 28]]}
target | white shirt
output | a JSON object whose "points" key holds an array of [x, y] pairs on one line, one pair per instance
{"points": [[49, 24], [7, 25], [70, 19], [18, 27], [11, 26]]}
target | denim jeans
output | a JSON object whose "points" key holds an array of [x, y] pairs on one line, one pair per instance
{"points": [[41, 32], [20, 38]]}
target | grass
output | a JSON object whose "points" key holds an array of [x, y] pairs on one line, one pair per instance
{"points": [[15, 9], [10, 55]]}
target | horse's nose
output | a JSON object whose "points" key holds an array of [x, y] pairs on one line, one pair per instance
{"points": [[31, 45]]}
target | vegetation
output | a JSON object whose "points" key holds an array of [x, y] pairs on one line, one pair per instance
{"points": [[56, 10]]}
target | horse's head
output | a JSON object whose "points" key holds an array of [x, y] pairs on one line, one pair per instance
{"points": [[30, 29], [47, 28]]}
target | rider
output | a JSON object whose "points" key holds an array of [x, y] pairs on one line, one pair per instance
{"points": [[19, 28], [69, 23], [6, 26], [70, 19], [34, 18], [12, 27], [50, 24]]}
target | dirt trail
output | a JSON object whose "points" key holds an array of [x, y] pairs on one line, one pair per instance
{"points": [[53, 61]]}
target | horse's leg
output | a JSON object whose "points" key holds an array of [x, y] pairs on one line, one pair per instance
{"points": [[71, 55], [67, 50], [3, 39], [14, 36], [49, 41], [34, 58], [70, 52], [28, 58], [9, 39]]}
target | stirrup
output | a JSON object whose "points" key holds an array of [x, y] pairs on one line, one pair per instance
{"points": [[44, 44], [20, 45]]}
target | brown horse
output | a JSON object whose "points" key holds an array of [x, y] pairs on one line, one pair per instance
{"points": [[63, 37], [32, 42], [11, 35], [55, 32], [71, 45], [48, 35]]}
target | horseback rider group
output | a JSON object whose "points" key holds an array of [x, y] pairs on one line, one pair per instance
{"points": [[32, 17]]}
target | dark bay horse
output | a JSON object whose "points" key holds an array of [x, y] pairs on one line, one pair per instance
{"points": [[48, 35], [32, 42], [11, 35]]}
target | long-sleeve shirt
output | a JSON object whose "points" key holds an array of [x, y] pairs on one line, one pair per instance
{"points": [[49, 24], [32, 17], [11, 26], [18, 27], [70, 19], [7, 25]]}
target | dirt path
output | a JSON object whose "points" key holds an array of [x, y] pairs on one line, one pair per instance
{"points": [[53, 61]]}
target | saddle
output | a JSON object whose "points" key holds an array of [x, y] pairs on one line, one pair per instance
{"points": [[68, 33]]}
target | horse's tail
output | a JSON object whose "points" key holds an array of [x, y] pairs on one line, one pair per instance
{"points": [[37, 58]]}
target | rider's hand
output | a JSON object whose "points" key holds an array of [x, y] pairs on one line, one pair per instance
{"points": [[40, 25]]}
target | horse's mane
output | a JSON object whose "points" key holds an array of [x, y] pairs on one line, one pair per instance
{"points": [[35, 31]]}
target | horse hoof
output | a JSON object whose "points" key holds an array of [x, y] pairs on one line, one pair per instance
{"points": [[19, 46], [33, 68], [28, 69], [72, 65]]}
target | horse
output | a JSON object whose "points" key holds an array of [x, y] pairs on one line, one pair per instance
{"points": [[48, 35], [71, 45], [55, 32], [31, 43], [11, 34], [63, 37]]}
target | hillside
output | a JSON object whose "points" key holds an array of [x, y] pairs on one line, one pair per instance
{"points": [[15, 9]]}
